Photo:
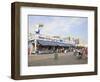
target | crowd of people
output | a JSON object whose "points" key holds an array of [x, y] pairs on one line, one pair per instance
{"points": [[81, 52]]}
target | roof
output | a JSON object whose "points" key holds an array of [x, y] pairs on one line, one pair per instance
{"points": [[53, 43], [47, 43]]}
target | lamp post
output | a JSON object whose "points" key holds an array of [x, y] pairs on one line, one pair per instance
{"points": [[35, 44]]}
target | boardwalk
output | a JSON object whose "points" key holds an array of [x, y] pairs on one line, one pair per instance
{"points": [[48, 59]]}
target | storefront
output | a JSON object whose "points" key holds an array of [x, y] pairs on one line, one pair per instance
{"points": [[47, 46]]}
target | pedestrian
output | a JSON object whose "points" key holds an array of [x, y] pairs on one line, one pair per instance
{"points": [[30, 48], [85, 53]]}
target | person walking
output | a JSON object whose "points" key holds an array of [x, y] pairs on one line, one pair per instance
{"points": [[30, 48]]}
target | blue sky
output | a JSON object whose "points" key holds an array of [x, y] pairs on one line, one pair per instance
{"points": [[60, 26]]}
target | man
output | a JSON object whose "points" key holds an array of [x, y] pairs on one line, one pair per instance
{"points": [[30, 48]]}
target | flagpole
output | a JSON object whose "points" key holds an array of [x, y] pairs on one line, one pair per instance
{"points": [[36, 37]]}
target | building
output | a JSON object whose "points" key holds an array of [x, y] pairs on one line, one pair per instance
{"points": [[49, 44]]}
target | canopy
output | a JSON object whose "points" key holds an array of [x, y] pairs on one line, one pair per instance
{"points": [[53, 43]]}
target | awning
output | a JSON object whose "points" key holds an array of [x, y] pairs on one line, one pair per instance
{"points": [[52, 43], [47, 43]]}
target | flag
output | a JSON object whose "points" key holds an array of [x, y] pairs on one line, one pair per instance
{"points": [[40, 25]]}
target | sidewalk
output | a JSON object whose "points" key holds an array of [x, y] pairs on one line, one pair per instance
{"points": [[48, 59]]}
